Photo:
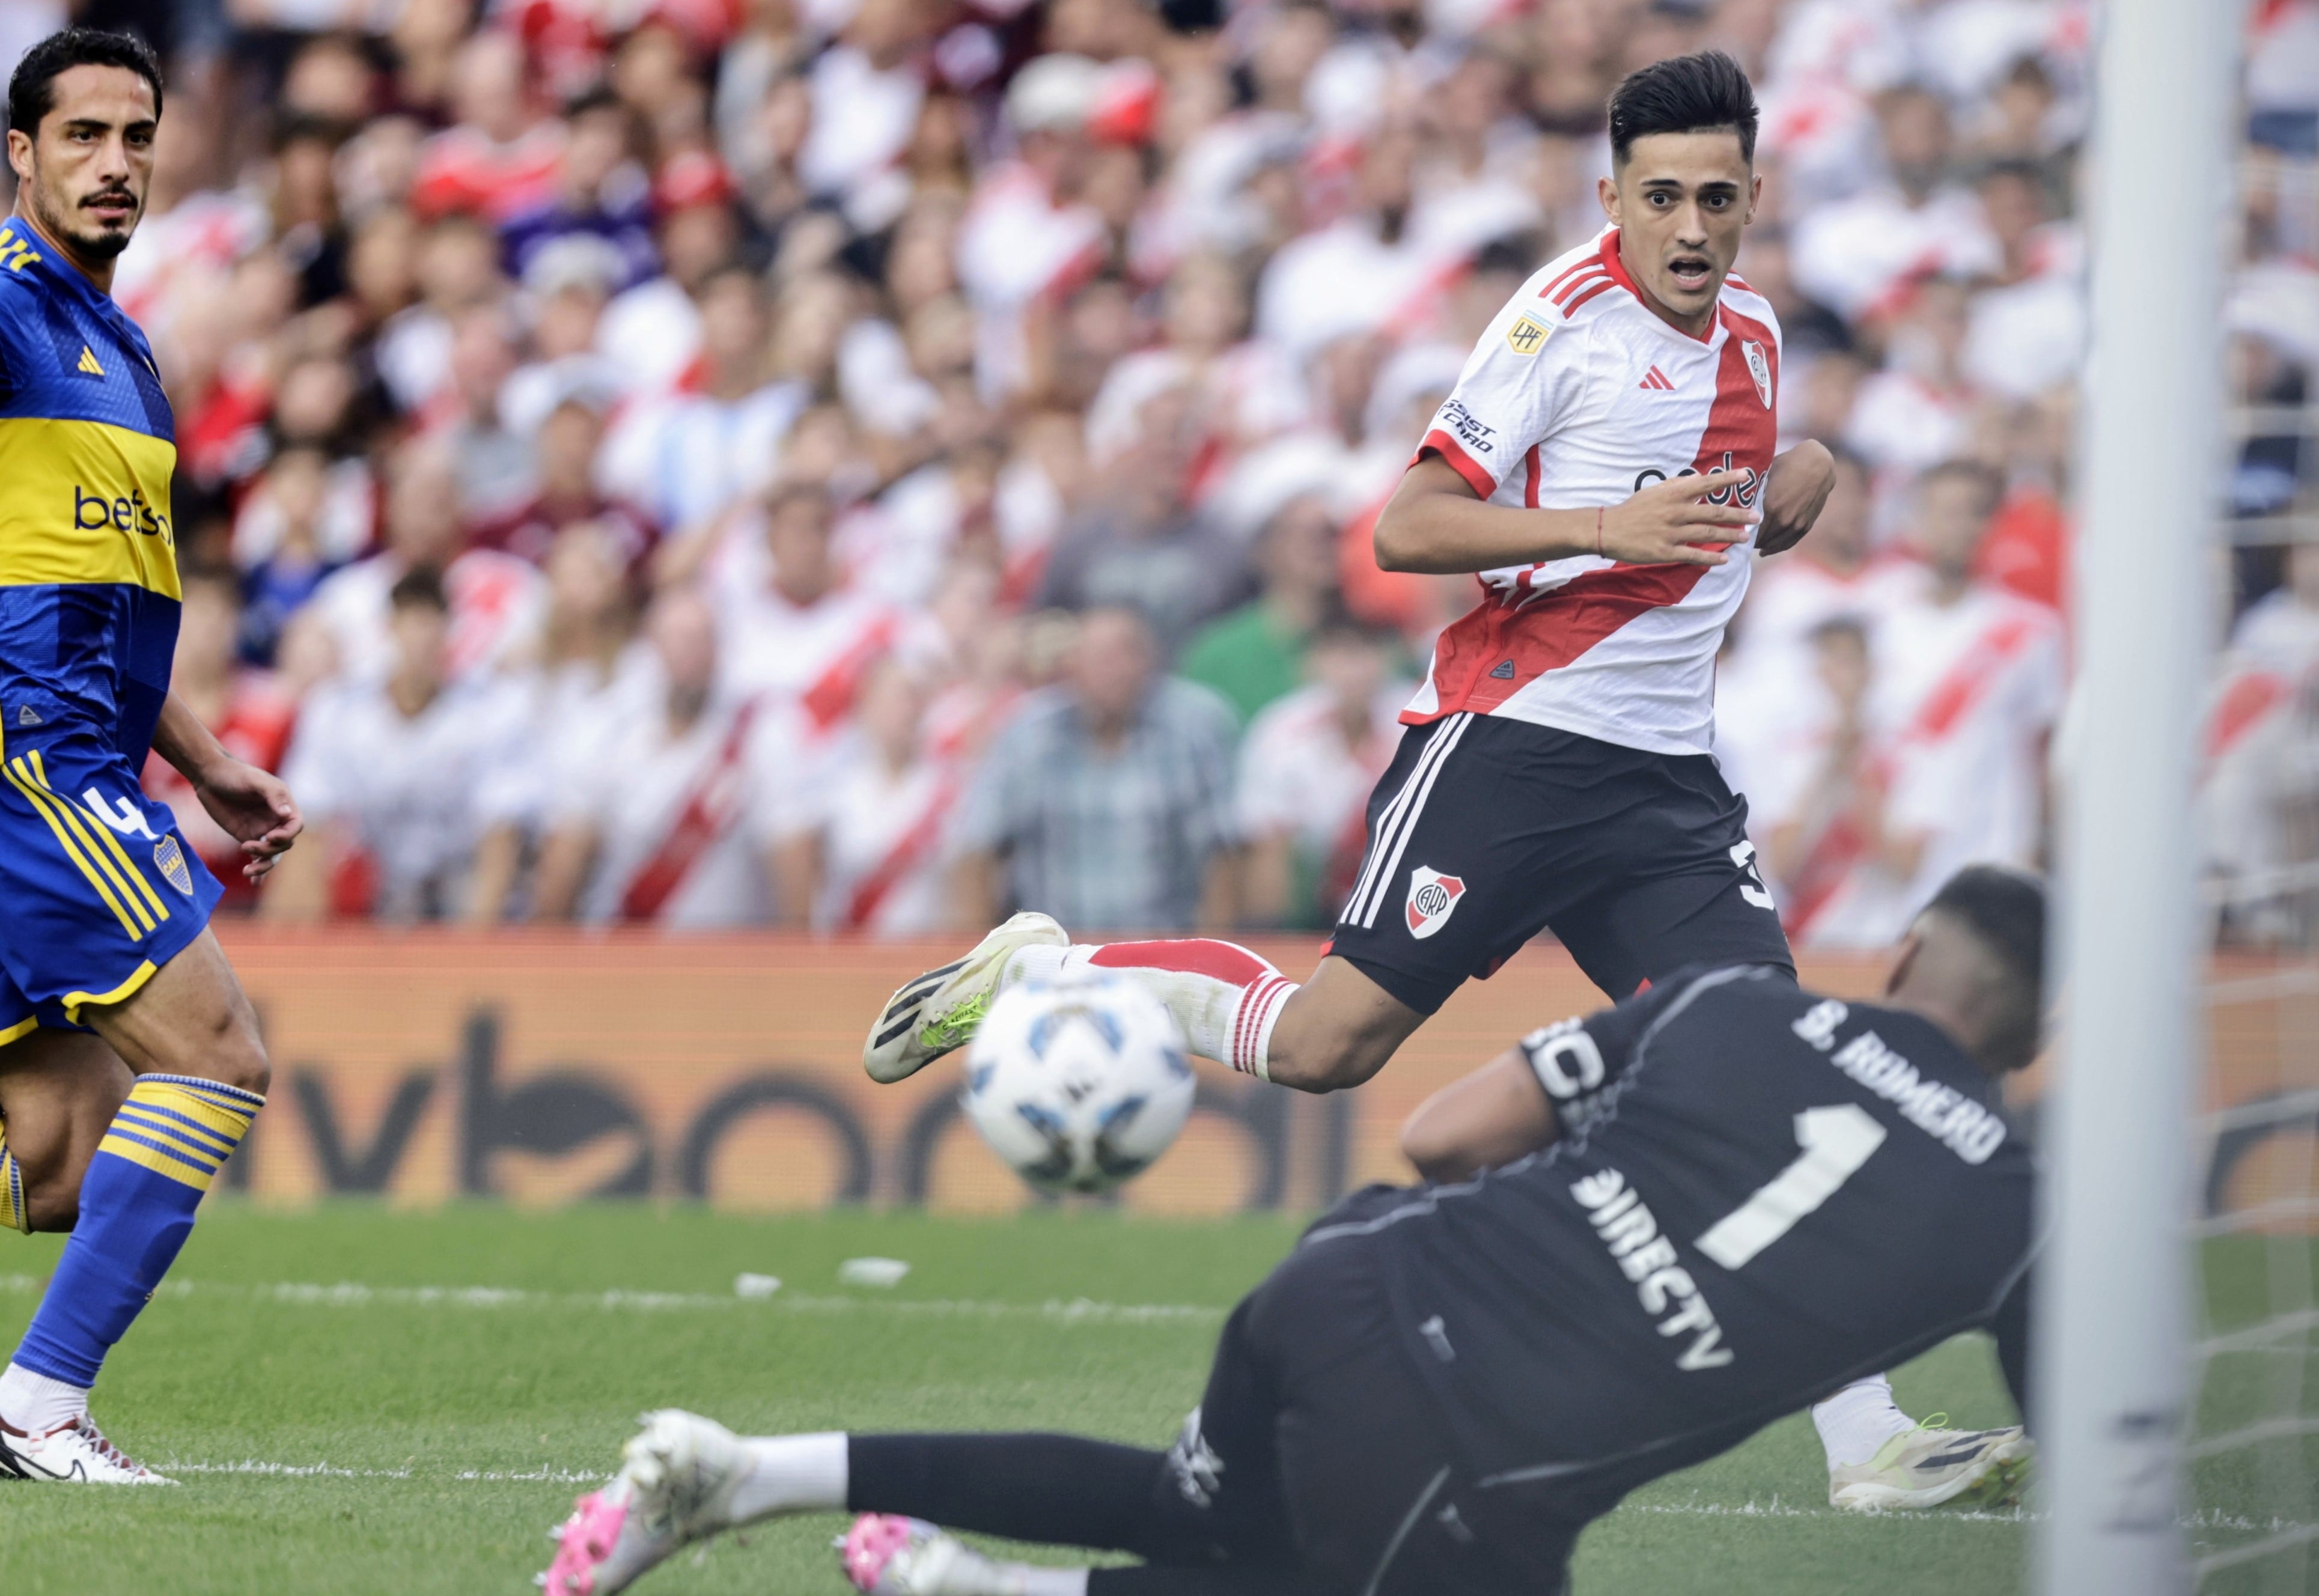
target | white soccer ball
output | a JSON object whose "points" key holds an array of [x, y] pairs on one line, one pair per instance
{"points": [[1079, 1083]]}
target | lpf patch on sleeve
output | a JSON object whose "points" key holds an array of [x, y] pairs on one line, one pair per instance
{"points": [[1526, 337]]}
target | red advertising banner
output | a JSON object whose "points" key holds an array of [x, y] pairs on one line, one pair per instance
{"points": [[423, 1065]]}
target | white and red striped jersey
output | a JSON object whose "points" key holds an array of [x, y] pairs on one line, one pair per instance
{"points": [[884, 841], [813, 655], [682, 818], [1578, 396], [1964, 694], [1792, 597]]}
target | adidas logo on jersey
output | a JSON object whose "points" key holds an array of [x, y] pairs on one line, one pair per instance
{"points": [[1504, 671], [28, 716], [1656, 381], [88, 367]]}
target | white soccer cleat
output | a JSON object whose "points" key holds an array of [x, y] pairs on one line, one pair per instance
{"points": [[1929, 1466], [937, 1012], [72, 1453], [885, 1555], [674, 1487]]}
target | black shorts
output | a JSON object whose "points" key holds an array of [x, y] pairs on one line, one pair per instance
{"points": [[1318, 1450], [1486, 831]]}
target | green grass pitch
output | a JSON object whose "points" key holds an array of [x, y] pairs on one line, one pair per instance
{"points": [[366, 1400]]}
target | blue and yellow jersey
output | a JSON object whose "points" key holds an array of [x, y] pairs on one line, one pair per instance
{"points": [[89, 561]]}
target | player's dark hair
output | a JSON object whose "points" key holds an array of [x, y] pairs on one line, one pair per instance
{"points": [[1682, 94], [419, 588], [2004, 910], [32, 89]]}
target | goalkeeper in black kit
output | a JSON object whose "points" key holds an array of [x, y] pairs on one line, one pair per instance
{"points": [[1647, 1234]]}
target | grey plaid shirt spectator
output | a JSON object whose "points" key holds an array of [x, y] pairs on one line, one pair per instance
{"points": [[1107, 841]]}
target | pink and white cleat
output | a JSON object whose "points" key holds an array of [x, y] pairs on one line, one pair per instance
{"points": [[674, 1487], [604, 1545], [885, 1555]]}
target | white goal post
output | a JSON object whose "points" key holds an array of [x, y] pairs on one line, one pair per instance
{"points": [[2115, 1287]]}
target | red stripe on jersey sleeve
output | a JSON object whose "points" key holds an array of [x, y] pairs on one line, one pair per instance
{"points": [[1440, 443], [1590, 264], [1602, 285], [1579, 286]]}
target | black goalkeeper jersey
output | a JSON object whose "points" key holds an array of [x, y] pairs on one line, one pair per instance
{"points": [[1760, 1194]]}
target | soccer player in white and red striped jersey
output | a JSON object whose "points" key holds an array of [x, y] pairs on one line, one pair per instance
{"points": [[1603, 460]]}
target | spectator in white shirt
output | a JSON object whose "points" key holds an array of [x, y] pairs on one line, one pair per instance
{"points": [[867, 847], [671, 824], [496, 600], [1966, 686], [418, 782], [1857, 254], [791, 628], [688, 457]]}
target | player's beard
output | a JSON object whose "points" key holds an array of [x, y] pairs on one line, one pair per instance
{"points": [[92, 242]]}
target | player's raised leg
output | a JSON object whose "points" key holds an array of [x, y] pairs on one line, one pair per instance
{"points": [[189, 1037], [1336, 1030]]}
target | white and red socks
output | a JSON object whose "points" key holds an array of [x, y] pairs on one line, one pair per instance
{"points": [[1225, 998], [35, 1405], [1857, 1421]]}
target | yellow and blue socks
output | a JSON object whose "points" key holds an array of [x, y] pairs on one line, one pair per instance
{"points": [[12, 1212], [137, 1205]]}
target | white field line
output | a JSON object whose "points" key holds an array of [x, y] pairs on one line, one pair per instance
{"points": [[2204, 1518], [352, 1294], [330, 1471]]}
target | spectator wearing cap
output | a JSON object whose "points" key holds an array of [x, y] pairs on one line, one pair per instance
{"points": [[1106, 802], [416, 780], [1256, 653], [600, 194]]}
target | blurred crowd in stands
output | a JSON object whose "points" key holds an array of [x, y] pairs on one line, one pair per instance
{"points": [[867, 463]]}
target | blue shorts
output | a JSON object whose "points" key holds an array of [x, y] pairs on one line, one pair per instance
{"points": [[98, 890]]}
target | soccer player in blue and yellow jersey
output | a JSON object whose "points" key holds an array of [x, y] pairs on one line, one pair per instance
{"points": [[131, 1054]]}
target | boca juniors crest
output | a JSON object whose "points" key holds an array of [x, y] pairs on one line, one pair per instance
{"points": [[1432, 899], [1759, 367], [171, 859]]}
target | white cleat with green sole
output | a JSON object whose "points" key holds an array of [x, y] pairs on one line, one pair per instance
{"points": [[1931, 1466], [939, 1011]]}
